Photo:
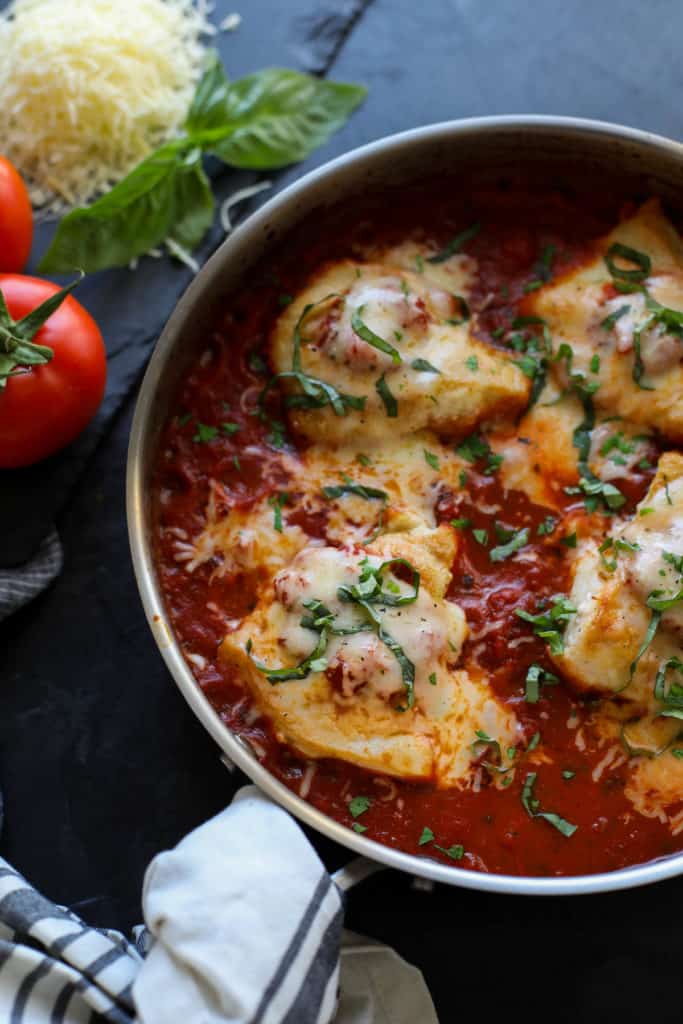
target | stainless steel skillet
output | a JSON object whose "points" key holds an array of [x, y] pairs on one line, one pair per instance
{"points": [[537, 146]]}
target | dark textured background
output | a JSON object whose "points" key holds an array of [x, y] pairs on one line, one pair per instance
{"points": [[101, 763]]}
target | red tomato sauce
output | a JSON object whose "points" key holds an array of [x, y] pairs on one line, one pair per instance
{"points": [[222, 386]]}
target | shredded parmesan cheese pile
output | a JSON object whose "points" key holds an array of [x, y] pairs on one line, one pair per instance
{"points": [[88, 88]]}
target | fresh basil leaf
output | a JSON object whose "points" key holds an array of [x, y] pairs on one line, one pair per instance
{"points": [[276, 117], [431, 459], [167, 196], [208, 108], [426, 837]]}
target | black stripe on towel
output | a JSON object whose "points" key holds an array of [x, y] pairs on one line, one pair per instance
{"points": [[300, 934], [309, 997]]}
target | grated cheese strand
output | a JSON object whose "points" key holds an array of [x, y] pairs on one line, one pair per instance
{"points": [[88, 88]]}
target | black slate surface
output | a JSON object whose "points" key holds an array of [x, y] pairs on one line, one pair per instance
{"points": [[101, 763]]}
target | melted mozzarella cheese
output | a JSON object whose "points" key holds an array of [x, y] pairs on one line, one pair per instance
{"points": [[440, 376], [603, 639], [576, 306], [353, 704]]}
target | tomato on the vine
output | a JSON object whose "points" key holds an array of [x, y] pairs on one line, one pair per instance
{"points": [[16, 219], [52, 369]]}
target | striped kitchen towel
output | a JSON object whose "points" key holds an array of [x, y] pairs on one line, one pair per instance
{"points": [[20, 585], [244, 926]]}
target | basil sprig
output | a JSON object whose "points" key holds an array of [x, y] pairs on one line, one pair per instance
{"points": [[363, 331], [266, 120], [316, 392]]}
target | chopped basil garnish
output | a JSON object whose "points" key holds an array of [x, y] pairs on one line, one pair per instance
{"points": [[357, 827], [423, 366], [550, 624], [205, 433], [230, 428], [536, 678], [608, 323], [474, 448], [359, 805], [455, 852], [432, 678], [472, 363], [183, 420], [641, 265], [431, 459], [516, 541], [368, 592], [481, 536], [533, 742], [532, 805], [316, 393], [349, 487], [568, 773], [455, 245], [569, 540], [277, 502], [390, 403], [547, 526], [461, 524], [363, 331]]}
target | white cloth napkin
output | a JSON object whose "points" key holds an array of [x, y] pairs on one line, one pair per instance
{"points": [[247, 924]]}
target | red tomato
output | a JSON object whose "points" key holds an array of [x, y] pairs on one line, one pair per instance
{"points": [[16, 219], [49, 405]]}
